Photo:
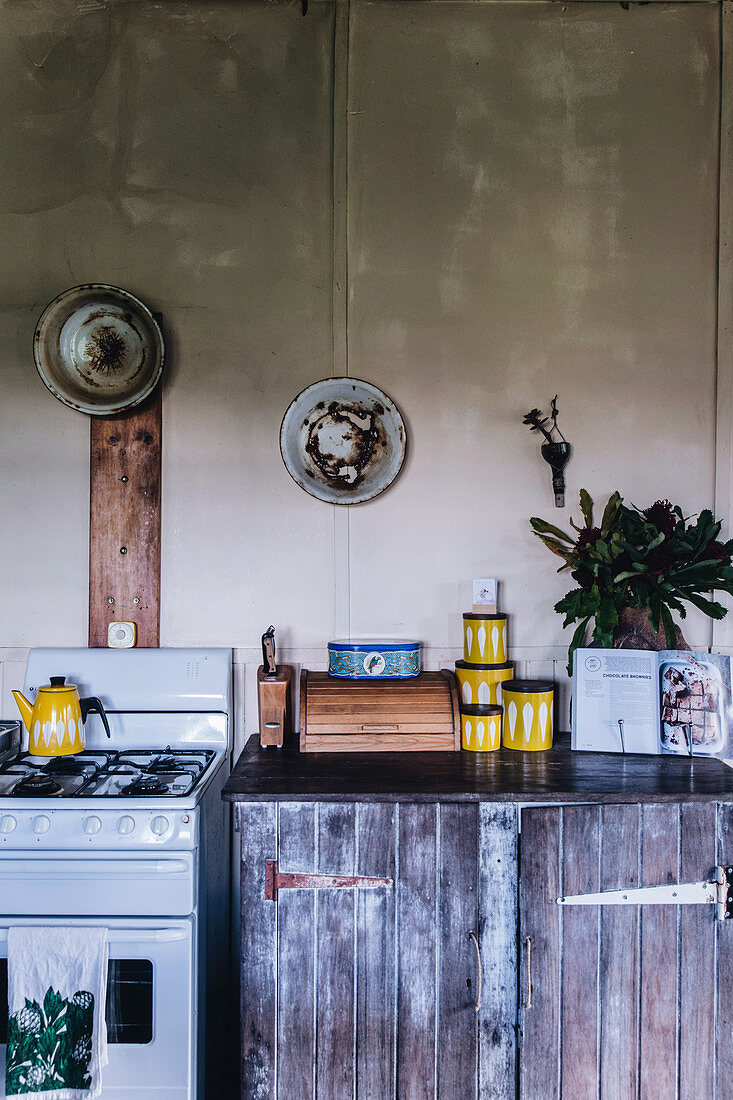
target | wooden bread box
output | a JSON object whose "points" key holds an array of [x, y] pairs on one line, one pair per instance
{"points": [[413, 714]]}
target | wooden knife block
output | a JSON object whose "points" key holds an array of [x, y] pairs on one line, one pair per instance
{"points": [[274, 704]]}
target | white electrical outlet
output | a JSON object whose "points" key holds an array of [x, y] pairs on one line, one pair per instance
{"points": [[121, 635]]}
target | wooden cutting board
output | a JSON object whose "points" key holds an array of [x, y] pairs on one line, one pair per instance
{"points": [[377, 715]]}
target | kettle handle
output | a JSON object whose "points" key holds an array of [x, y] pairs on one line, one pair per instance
{"points": [[94, 705]]}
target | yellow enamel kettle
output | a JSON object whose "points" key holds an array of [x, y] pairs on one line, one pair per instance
{"points": [[55, 722]]}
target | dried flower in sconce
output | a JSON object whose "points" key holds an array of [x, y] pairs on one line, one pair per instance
{"points": [[555, 451]]}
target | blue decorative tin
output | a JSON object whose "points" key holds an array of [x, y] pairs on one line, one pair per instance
{"points": [[373, 659]]}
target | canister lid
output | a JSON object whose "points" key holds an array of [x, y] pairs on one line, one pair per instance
{"points": [[494, 668], [527, 687], [356, 645], [480, 710], [481, 615]]}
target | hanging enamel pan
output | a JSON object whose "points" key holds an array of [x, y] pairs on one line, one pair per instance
{"points": [[98, 349], [343, 440]]}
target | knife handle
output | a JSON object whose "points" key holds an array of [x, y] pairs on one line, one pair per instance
{"points": [[268, 652]]}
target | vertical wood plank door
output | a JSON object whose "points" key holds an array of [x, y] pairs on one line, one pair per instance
{"points": [[619, 1002], [371, 993]]}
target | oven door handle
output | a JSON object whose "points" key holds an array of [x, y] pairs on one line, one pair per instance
{"points": [[116, 935], [22, 867]]}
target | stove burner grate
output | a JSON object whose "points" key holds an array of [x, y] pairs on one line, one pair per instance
{"points": [[145, 784], [37, 784], [64, 765]]}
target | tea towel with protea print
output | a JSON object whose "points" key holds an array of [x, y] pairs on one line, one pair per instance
{"points": [[57, 989]]}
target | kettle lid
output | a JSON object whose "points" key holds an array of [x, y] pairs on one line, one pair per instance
{"points": [[58, 683]]}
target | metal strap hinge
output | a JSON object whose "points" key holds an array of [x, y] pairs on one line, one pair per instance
{"points": [[717, 891], [276, 880]]}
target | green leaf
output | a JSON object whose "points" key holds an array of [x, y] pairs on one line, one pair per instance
{"points": [[610, 511], [670, 633], [576, 642], [607, 615], [541, 527], [555, 547], [586, 507], [711, 607]]}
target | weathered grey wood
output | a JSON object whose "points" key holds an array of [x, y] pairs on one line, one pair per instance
{"points": [[619, 1040], [296, 956], [417, 952], [258, 834], [579, 1018], [457, 1061], [697, 957], [498, 880], [659, 989], [724, 930], [335, 955], [540, 917], [375, 984]]}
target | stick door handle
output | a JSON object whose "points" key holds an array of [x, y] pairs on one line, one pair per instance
{"points": [[528, 945], [474, 939]]}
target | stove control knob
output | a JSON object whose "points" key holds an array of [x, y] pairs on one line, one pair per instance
{"points": [[92, 825], [126, 825], [159, 825], [7, 823], [41, 824]]}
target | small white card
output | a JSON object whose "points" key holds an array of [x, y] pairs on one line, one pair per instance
{"points": [[484, 592]]}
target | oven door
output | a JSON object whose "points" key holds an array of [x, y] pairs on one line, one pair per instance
{"points": [[151, 1007]]}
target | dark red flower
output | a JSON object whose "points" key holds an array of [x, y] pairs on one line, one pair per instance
{"points": [[663, 516], [715, 551], [660, 559], [587, 538]]}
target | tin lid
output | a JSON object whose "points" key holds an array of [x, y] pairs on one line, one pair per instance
{"points": [[354, 646], [480, 710], [481, 615], [493, 668], [527, 687]]}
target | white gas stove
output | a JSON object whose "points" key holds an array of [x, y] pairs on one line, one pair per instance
{"points": [[132, 834]]}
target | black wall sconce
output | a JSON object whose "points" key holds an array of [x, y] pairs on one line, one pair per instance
{"points": [[555, 450]]}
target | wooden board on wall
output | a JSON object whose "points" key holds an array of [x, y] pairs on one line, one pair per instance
{"points": [[124, 522]]}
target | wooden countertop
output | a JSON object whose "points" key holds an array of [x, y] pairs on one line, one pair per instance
{"points": [[558, 775]]}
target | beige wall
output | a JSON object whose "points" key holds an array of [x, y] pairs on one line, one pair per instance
{"points": [[531, 208]]}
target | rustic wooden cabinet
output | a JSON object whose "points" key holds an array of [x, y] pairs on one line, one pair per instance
{"points": [[630, 1000], [406, 988], [460, 976]]}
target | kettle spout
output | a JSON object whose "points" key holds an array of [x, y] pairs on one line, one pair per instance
{"points": [[25, 708]]}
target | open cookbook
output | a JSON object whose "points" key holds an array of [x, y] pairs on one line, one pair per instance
{"points": [[632, 700]]}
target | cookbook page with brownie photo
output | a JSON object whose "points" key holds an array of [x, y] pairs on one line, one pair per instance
{"points": [[639, 701]]}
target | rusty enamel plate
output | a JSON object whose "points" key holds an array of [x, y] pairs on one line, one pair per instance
{"points": [[98, 349], [343, 440]]}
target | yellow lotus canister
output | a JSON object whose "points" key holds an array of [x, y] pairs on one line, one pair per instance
{"points": [[484, 639], [480, 685], [480, 728], [527, 714]]}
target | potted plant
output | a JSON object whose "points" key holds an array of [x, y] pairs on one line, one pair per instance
{"points": [[636, 568]]}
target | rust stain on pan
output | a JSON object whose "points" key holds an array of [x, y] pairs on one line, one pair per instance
{"points": [[105, 350], [98, 349], [343, 440], [342, 443]]}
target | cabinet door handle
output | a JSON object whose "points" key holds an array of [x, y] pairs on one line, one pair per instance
{"points": [[528, 944], [472, 936], [276, 880]]}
